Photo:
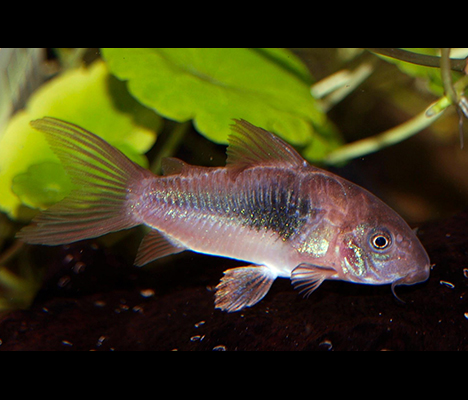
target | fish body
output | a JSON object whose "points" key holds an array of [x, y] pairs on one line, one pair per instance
{"points": [[268, 207]]}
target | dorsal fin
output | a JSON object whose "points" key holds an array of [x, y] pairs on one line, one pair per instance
{"points": [[250, 145], [172, 166]]}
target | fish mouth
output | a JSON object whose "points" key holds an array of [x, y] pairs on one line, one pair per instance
{"points": [[417, 276]]}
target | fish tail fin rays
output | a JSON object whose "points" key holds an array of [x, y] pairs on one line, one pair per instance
{"points": [[307, 277], [243, 287], [155, 245], [105, 191]]}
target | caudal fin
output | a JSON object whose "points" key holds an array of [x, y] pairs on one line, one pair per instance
{"points": [[106, 184]]}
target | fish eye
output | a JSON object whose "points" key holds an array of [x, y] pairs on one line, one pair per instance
{"points": [[380, 241]]}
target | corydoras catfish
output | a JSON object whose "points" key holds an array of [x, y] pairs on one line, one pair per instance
{"points": [[268, 207]]}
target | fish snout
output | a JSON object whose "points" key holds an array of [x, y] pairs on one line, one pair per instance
{"points": [[417, 276], [419, 266]]}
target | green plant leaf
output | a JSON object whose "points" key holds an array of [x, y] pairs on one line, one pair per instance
{"points": [[31, 176], [18, 291], [41, 185], [267, 87]]}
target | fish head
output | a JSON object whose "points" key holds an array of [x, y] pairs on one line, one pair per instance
{"points": [[380, 248]]}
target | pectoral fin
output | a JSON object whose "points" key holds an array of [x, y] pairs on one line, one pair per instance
{"points": [[243, 287], [308, 277]]}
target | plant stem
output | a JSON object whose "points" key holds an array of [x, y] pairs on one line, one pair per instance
{"points": [[11, 252], [170, 145], [377, 142], [70, 58], [449, 89], [398, 133], [420, 59], [336, 87], [447, 76]]}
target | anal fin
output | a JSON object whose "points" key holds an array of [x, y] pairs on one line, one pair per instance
{"points": [[155, 245], [243, 287]]}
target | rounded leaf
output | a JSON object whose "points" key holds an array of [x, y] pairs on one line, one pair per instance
{"points": [[31, 176], [269, 88]]}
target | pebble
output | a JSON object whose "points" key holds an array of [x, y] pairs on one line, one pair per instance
{"points": [[447, 284], [198, 324]]}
